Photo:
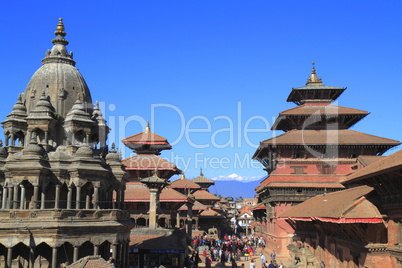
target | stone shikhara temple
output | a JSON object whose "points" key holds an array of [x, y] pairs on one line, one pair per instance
{"points": [[62, 190], [312, 158]]}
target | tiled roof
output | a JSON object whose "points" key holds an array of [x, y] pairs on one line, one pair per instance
{"points": [[366, 160], [197, 206], [182, 182], [301, 180], [202, 179], [211, 213], [138, 192], [320, 87], [205, 195], [345, 204], [322, 109], [258, 206], [387, 164], [145, 138], [91, 262], [148, 162], [328, 137]]}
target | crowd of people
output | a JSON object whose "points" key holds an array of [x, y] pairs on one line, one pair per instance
{"points": [[229, 251]]}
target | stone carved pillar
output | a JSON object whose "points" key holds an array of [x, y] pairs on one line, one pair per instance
{"points": [[78, 198], [54, 257], [75, 254], [96, 198], [22, 204], [35, 196], [178, 219], [15, 198], [31, 260], [114, 252], [9, 257], [42, 199], [96, 249], [69, 197], [4, 202], [152, 208], [88, 199], [10, 197], [57, 197]]}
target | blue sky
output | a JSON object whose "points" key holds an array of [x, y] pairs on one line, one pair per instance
{"points": [[204, 71]]}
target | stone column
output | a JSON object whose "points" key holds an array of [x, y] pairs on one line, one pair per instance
{"points": [[69, 197], [96, 198], [22, 204], [35, 196], [31, 257], [118, 199], [9, 257], [57, 197], [78, 198], [75, 254], [54, 257], [96, 249], [189, 219], [178, 219], [15, 198], [114, 202], [12, 139], [42, 199], [46, 137], [88, 199], [4, 202], [114, 252], [10, 197], [152, 208]]}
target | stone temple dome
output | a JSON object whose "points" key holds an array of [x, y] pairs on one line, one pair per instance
{"points": [[62, 82]]}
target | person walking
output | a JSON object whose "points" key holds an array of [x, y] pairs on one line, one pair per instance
{"points": [[252, 265], [262, 257]]}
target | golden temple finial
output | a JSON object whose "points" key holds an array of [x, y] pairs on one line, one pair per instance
{"points": [[147, 128], [182, 177], [313, 79], [60, 28]]}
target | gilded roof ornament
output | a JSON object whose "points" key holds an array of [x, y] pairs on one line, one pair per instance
{"points": [[147, 128], [313, 80], [60, 28]]}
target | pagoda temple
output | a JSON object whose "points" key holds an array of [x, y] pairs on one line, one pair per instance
{"points": [[159, 236], [57, 177], [316, 150]]}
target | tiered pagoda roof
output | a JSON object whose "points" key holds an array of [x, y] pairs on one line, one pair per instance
{"points": [[205, 195], [318, 115], [147, 142], [203, 181], [316, 139], [314, 91], [138, 192], [149, 162], [184, 183]]}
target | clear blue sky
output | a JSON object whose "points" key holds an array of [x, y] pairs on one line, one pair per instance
{"points": [[212, 63]]}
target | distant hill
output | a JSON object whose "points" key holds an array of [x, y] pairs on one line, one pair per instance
{"points": [[234, 188]]}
